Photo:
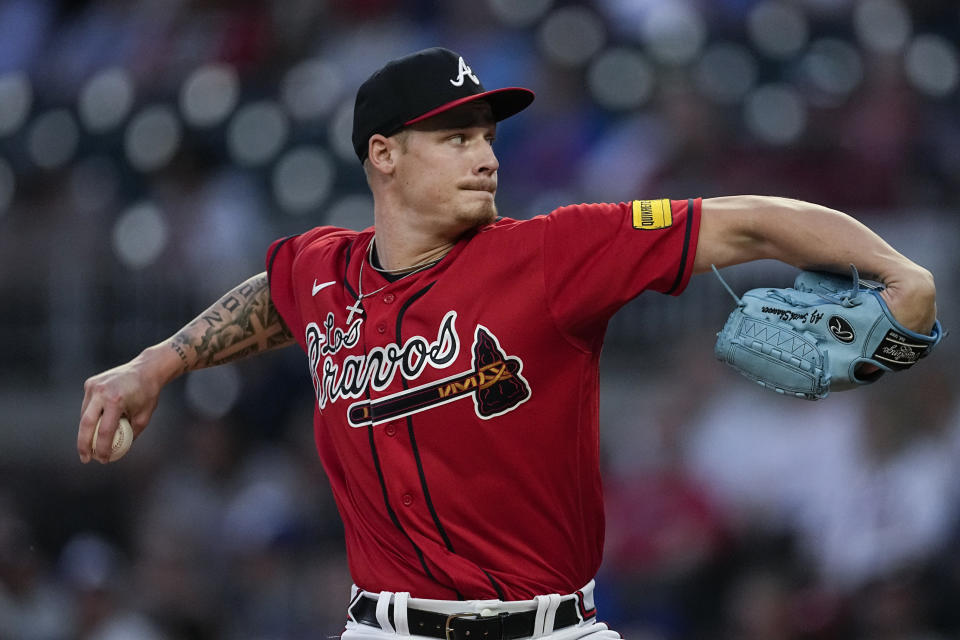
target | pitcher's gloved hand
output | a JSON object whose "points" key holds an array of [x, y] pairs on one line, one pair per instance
{"points": [[826, 333]]}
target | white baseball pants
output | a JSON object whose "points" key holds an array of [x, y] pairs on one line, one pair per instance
{"points": [[387, 616]]}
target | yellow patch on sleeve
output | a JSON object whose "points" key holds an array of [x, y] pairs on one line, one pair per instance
{"points": [[652, 214]]}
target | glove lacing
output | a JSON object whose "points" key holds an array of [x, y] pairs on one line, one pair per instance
{"points": [[847, 298]]}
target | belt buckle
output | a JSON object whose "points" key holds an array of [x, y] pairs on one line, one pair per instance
{"points": [[450, 635]]}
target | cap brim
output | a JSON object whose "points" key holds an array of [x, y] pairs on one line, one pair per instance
{"points": [[503, 103]]}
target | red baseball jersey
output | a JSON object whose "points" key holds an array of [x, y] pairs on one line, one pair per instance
{"points": [[456, 415]]}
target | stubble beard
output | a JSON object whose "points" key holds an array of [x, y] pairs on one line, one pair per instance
{"points": [[486, 214], [482, 214]]}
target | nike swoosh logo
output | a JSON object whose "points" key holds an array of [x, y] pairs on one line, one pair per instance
{"points": [[318, 287]]}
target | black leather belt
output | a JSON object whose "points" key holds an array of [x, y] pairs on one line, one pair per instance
{"points": [[502, 626]]}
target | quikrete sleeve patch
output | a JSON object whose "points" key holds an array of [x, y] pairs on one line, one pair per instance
{"points": [[652, 214]]}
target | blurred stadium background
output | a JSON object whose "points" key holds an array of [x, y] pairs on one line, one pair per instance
{"points": [[151, 149]]}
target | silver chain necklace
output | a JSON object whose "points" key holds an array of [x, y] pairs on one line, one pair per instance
{"points": [[412, 269], [357, 307]]}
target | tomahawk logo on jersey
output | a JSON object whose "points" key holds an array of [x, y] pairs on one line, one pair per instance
{"points": [[493, 381], [421, 382]]}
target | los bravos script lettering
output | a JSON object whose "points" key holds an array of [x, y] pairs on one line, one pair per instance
{"points": [[350, 376]]}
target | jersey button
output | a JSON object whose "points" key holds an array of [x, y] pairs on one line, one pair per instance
{"points": [[389, 297], [390, 430], [381, 328], [407, 499]]}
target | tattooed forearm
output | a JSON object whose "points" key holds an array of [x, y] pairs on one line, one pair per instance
{"points": [[241, 323], [178, 347]]}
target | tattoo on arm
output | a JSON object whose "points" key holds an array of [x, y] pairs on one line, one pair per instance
{"points": [[243, 322]]}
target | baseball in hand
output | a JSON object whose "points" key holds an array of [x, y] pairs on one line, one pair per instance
{"points": [[122, 439]]}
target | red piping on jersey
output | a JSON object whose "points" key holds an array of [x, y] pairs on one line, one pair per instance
{"points": [[586, 615], [273, 256], [413, 442], [386, 502], [346, 267], [686, 247]]}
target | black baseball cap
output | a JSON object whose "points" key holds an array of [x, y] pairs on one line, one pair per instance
{"points": [[420, 85]]}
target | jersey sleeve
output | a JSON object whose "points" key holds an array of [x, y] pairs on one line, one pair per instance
{"points": [[280, 257], [600, 256], [280, 262]]}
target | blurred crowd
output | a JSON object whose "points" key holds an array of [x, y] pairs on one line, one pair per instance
{"points": [[151, 149]]}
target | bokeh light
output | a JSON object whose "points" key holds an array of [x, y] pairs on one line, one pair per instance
{"points": [[931, 65], [775, 113], [106, 99], [674, 32], [621, 78], [257, 132], [16, 98], [833, 67], [303, 178], [883, 26], [212, 392], [153, 137], [778, 29], [140, 235], [571, 36], [311, 89], [53, 138], [209, 95], [726, 72]]}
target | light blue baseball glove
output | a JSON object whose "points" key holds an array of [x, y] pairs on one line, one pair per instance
{"points": [[815, 338]]}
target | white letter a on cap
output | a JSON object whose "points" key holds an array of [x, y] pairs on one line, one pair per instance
{"points": [[463, 71]]}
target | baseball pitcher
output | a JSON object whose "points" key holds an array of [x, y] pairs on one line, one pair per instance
{"points": [[454, 356]]}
